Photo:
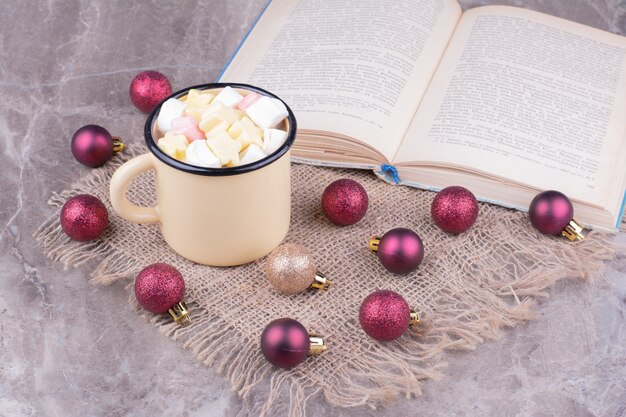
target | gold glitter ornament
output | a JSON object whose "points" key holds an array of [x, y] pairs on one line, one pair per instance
{"points": [[291, 269]]}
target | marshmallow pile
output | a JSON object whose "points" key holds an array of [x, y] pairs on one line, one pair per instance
{"points": [[221, 128]]}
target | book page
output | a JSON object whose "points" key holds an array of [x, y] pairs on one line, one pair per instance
{"points": [[354, 67], [527, 97]]}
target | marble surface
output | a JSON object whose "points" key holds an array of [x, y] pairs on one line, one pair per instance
{"points": [[70, 349]]}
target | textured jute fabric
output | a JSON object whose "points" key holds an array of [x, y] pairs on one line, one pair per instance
{"points": [[467, 289]]}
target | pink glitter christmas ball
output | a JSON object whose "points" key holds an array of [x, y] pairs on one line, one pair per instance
{"points": [[148, 89], [84, 217], [454, 209], [158, 287], [384, 315], [344, 202], [550, 212]]}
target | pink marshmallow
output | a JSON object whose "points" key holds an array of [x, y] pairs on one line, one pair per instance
{"points": [[248, 101], [187, 126]]}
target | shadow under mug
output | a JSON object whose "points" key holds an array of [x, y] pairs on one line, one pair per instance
{"points": [[213, 216]]}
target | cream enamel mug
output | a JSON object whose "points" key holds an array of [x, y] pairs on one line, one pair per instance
{"points": [[213, 216]]}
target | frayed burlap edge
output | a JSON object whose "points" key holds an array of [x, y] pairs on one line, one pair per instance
{"points": [[220, 346]]}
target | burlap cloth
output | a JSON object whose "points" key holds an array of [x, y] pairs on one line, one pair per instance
{"points": [[468, 288]]}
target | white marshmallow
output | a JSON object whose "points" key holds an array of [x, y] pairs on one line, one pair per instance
{"points": [[281, 106], [229, 96], [252, 154], [266, 113], [272, 139], [199, 154], [172, 109]]}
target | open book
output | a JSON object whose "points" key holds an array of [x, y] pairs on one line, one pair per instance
{"points": [[504, 101]]}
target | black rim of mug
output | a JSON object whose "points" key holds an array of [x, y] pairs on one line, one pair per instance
{"points": [[218, 172]]}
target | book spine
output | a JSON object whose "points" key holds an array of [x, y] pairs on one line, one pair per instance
{"points": [[318, 163], [621, 221], [219, 77]]}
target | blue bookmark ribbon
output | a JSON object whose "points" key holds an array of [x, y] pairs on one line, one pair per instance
{"points": [[390, 171]]}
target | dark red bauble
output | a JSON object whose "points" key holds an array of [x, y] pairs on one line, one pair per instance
{"points": [[285, 343], [148, 89], [454, 209], [400, 250], [550, 212], [92, 145], [384, 315], [158, 287], [344, 202], [84, 217]]}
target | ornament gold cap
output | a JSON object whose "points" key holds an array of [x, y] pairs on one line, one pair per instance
{"points": [[573, 231], [415, 318], [318, 345], [321, 282], [180, 313], [118, 144], [373, 243]]}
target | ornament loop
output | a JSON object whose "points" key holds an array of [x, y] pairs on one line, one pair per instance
{"points": [[118, 145], [318, 345], [573, 231], [180, 313], [373, 243], [415, 318], [321, 282]]}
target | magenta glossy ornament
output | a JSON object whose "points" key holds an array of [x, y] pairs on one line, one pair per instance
{"points": [[286, 343], [93, 145], [400, 250], [454, 209], [344, 202], [160, 288], [148, 89], [385, 315], [84, 217], [552, 213]]}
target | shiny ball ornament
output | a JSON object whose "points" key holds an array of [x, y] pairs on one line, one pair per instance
{"points": [[148, 89], [454, 209], [344, 202], [400, 250], [286, 343], [160, 288], [84, 217], [385, 315], [552, 213], [291, 269], [93, 145]]}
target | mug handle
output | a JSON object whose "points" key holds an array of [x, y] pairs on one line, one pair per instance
{"points": [[119, 186]]}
